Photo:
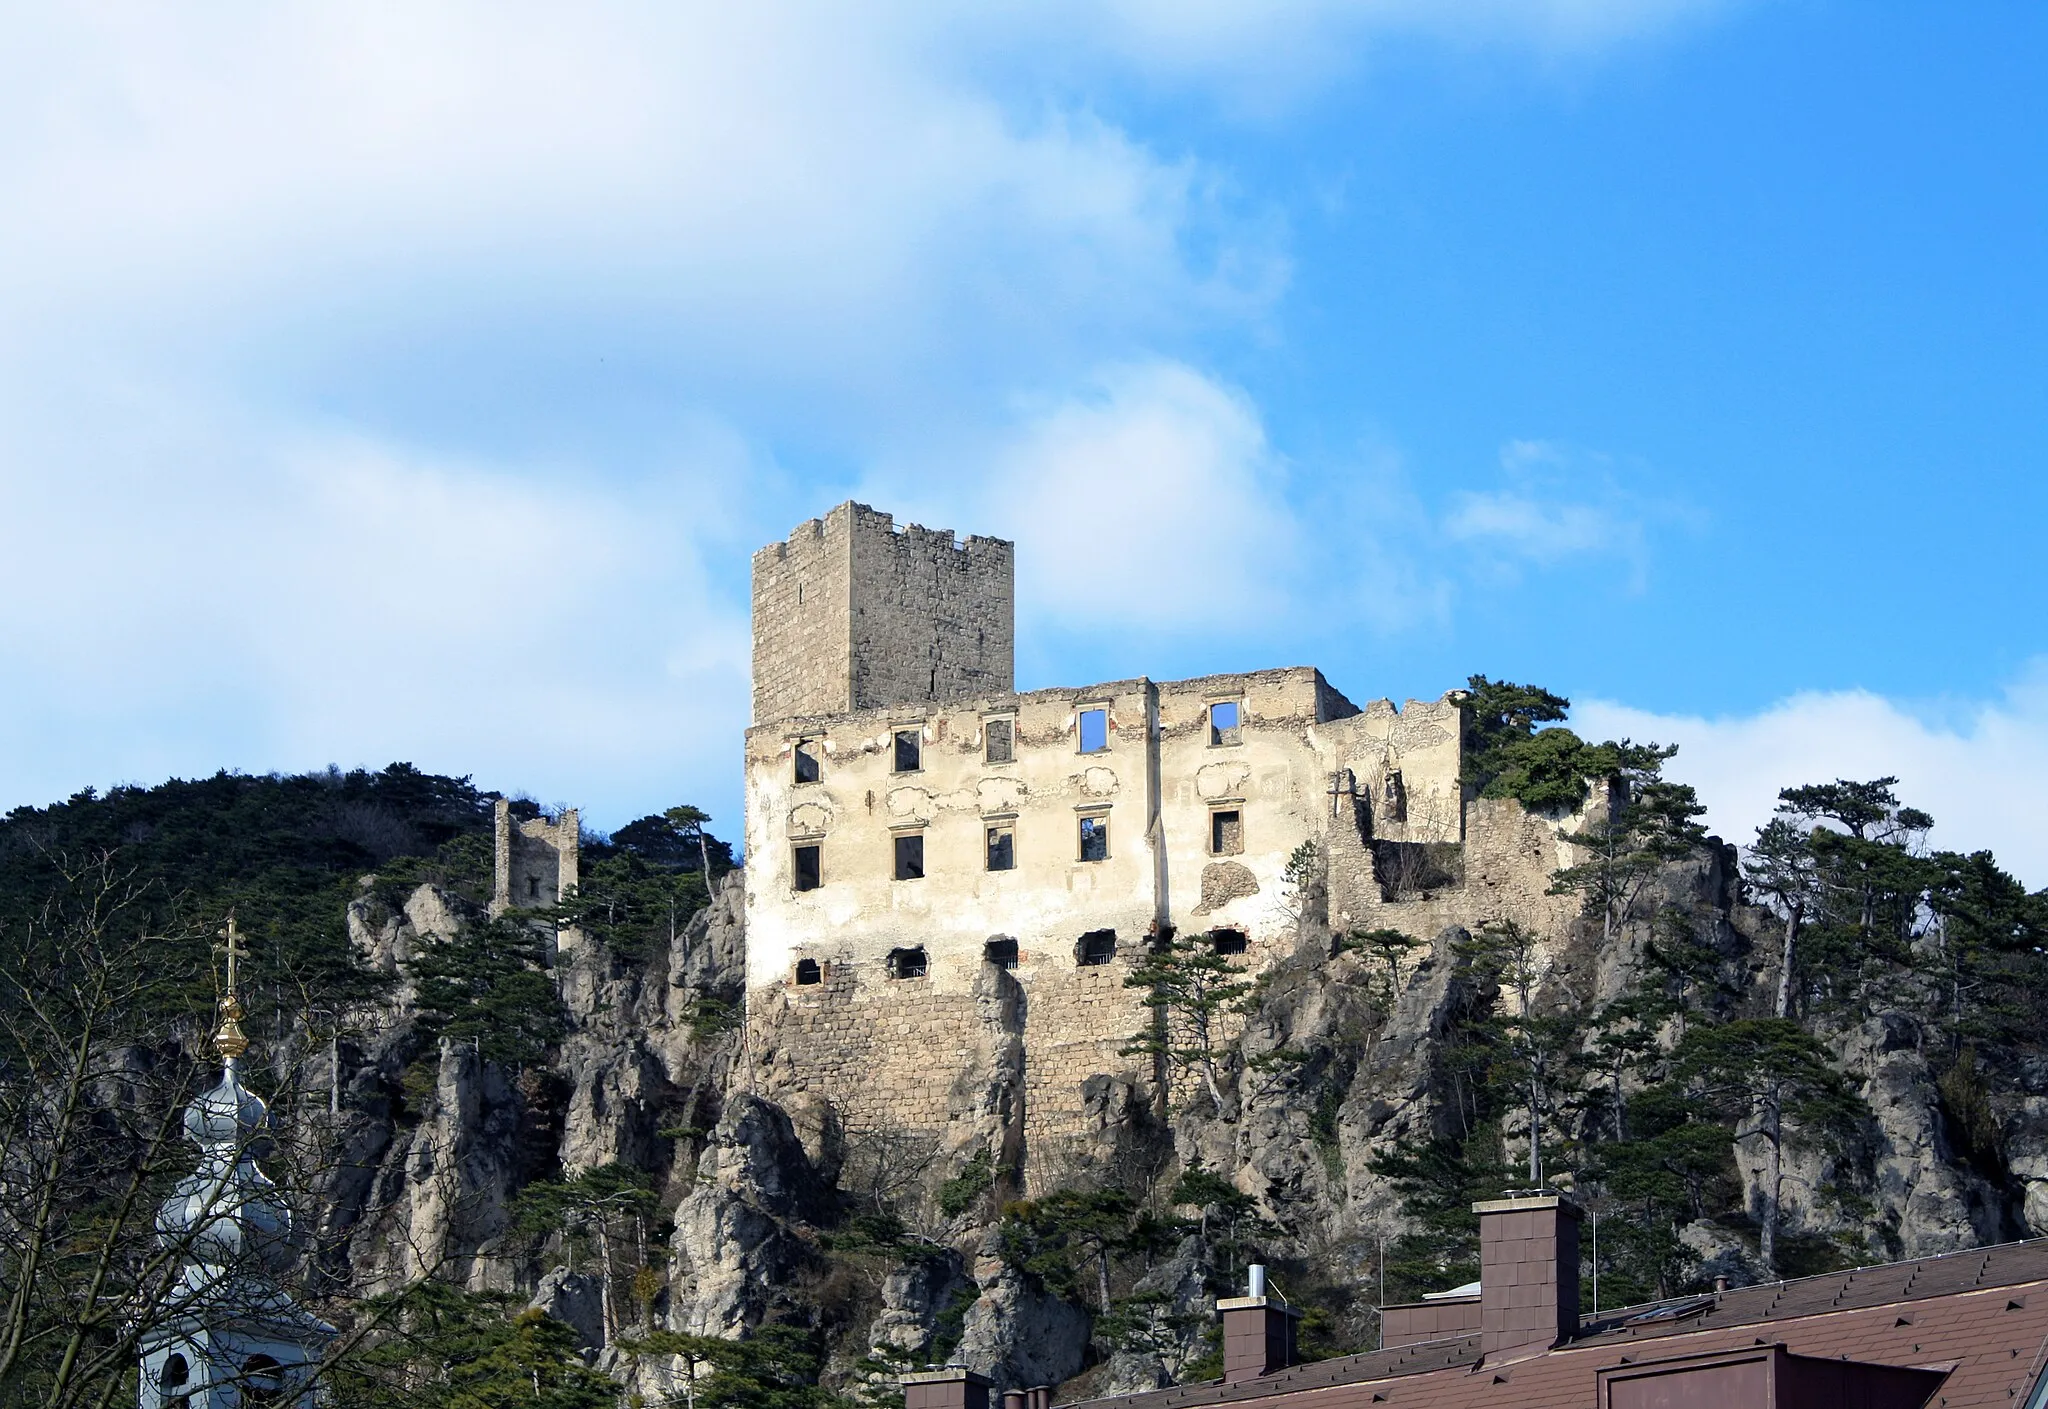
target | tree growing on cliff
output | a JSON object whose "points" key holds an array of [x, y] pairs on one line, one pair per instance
{"points": [[1760, 1074], [1190, 989], [1653, 824]]}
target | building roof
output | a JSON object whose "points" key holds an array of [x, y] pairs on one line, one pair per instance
{"points": [[1982, 1315]]}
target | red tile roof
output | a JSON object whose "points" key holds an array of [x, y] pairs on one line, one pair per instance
{"points": [[1983, 1313]]}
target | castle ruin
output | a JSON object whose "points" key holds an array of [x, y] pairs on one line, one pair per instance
{"points": [[947, 877]]}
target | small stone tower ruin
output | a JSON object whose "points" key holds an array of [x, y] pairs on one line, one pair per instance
{"points": [[852, 612], [536, 859]]}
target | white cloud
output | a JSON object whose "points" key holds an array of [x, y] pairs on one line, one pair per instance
{"points": [[261, 266], [1981, 770], [1153, 500], [803, 193], [211, 596]]}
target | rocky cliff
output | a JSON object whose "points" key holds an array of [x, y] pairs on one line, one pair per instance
{"points": [[1365, 1104]]}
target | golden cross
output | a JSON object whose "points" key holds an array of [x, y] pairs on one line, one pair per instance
{"points": [[233, 937], [228, 1040]]}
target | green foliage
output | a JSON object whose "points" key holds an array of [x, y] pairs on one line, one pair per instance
{"points": [[1063, 1237], [487, 985], [774, 1367], [966, 1189], [1507, 754], [449, 1349], [1189, 988], [1655, 824], [604, 1194], [283, 852], [1226, 1216]]}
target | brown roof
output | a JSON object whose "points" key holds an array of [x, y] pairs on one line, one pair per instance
{"points": [[1984, 1312]]}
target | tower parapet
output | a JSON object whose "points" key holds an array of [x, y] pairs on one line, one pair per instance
{"points": [[852, 612]]}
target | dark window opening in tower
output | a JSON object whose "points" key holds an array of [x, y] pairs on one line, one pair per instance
{"points": [[807, 872], [910, 857]]}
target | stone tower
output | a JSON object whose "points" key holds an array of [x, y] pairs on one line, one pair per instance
{"points": [[536, 859], [853, 613]]}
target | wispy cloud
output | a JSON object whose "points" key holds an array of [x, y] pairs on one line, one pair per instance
{"points": [[1979, 768]]}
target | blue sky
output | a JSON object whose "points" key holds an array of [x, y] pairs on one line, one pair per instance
{"points": [[416, 384]]}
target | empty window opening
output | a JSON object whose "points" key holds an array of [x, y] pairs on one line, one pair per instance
{"points": [[1226, 832], [910, 857], [1094, 730], [1095, 839], [1095, 947], [999, 741], [262, 1381], [809, 971], [807, 761], [1227, 941], [907, 963], [909, 750], [533, 887], [1002, 849], [1223, 722], [1001, 952], [807, 872]]}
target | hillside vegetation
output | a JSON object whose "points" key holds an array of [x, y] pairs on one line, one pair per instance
{"points": [[1819, 1049]]}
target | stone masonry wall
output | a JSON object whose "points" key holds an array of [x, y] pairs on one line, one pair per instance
{"points": [[851, 612], [802, 638], [931, 619], [536, 859]]}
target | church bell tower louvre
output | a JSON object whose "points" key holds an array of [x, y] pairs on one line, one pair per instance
{"points": [[228, 1335]]}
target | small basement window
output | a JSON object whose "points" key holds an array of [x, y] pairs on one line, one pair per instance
{"points": [[1095, 948], [1224, 716], [910, 857], [1095, 839], [1002, 849], [1226, 832], [1001, 952], [806, 761], [807, 872], [909, 750], [1094, 730], [907, 963], [809, 971], [999, 741], [1227, 941]]}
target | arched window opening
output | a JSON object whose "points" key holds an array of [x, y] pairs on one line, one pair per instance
{"points": [[262, 1381]]}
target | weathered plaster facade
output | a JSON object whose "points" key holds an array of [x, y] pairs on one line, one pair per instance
{"points": [[944, 880]]}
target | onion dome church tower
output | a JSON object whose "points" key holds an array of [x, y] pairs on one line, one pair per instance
{"points": [[229, 1335]]}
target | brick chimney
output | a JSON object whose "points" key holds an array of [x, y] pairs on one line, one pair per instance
{"points": [[948, 1387], [1258, 1332], [1528, 1273]]}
